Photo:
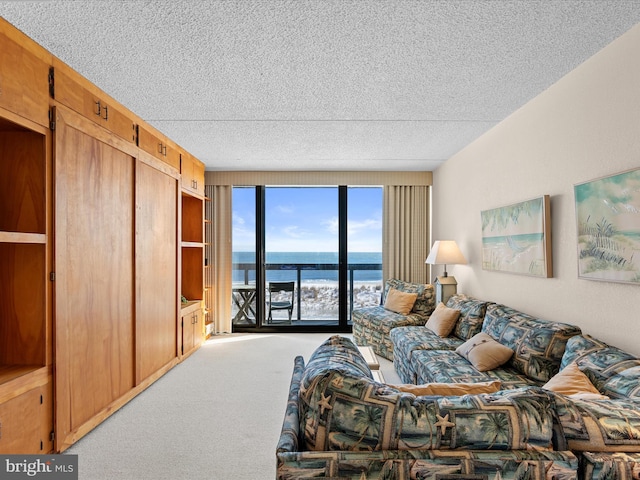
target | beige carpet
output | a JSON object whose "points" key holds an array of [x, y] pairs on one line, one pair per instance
{"points": [[215, 416]]}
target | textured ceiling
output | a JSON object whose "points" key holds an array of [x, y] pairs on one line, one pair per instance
{"points": [[323, 85]]}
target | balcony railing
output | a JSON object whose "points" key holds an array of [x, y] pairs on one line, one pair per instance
{"points": [[309, 282]]}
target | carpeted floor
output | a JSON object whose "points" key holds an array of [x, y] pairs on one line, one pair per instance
{"points": [[215, 416]]}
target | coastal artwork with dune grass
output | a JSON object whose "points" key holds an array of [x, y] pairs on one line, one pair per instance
{"points": [[608, 221], [517, 238]]}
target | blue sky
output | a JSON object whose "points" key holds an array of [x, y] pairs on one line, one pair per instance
{"points": [[305, 219]]}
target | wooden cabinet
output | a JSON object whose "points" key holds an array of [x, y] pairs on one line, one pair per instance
{"points": [[192, 269], [192, 171], [192, 325], [126, 243], [24, 76], [69, 89], [25, 335], [158, 145], [26, 419]]}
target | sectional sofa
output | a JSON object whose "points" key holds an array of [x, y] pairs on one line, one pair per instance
{"points": [[563, 405]]}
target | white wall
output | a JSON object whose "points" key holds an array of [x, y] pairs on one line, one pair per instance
{"points": [[584, 127]]}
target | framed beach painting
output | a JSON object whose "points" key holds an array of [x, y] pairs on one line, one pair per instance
{"points": [[608, 222], [517, 238]]}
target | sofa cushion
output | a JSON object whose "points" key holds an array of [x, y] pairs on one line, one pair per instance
{"points": [[442, 320], [472, 313], [611, 425], [400, 302], [570, 381], [599, 360], [484, 352], [624, 384], [445, 366], [344, 412], [408, 339], [450, 389], [425, 300], [538, 344]]}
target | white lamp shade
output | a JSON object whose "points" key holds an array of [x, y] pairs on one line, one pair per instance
{"points": [[445, 252]]}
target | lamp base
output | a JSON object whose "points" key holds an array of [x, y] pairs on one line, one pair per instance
{"points": [[445, 288]]}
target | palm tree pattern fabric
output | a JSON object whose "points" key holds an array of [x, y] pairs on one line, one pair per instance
{"points": [[604, 424], [406, 340], [538, 344], [344, 409], [610, 466], [365, 430], [445, 366], [372, 325]]}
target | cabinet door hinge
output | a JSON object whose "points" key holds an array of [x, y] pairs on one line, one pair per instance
{"points": [[52, 83], [52, 276], [52, 120], [52, 436]]}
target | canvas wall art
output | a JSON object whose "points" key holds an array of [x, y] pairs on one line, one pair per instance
{"points": [[608, 221], [517, 238]]}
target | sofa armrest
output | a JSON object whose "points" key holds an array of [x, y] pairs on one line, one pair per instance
{"points": [[290, 434]]}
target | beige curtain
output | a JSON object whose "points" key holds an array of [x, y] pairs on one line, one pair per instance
{"points": [[405, 233], [218, 253]]}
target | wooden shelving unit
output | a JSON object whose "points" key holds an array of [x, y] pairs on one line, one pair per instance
{"points": [[25, 354]]}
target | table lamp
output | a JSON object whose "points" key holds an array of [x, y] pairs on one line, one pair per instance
{"points": [[445, 252]]}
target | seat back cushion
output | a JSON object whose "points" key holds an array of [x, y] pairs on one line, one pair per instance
{"points": [[538, 344], [349, 413], [601, 362], [426, 298], [472, 313]]}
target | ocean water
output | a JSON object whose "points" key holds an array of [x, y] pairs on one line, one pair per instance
{"points": [[314, 266]]}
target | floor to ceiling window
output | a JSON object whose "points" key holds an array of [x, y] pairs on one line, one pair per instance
{"points": [[304, 257]]}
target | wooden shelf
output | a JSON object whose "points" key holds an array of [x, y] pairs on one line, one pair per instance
{"points": [[192, 244], [18, 379], [20, 237], [11, 372], [190, 306]]}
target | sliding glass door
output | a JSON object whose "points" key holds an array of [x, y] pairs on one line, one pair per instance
{"points": [[304, 256]]}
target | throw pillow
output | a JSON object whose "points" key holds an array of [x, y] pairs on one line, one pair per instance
{"points": [[484, 352], [450, 389], [400, 302], [570, 381], [442, 320]]}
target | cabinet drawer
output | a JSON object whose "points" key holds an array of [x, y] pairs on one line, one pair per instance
{"points": [[24, 82], [158, 146], [71, 93]]}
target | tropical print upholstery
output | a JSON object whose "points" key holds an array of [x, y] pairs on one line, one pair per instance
{"points": [[337, 353], [603, 425], [600, 425], [538, 344], [372, 325], [405, 340], [472, 312], [600, 362], [408, 339], [343, 412], [341, 424], [429, 465], [610, 466], [446, 366]]}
